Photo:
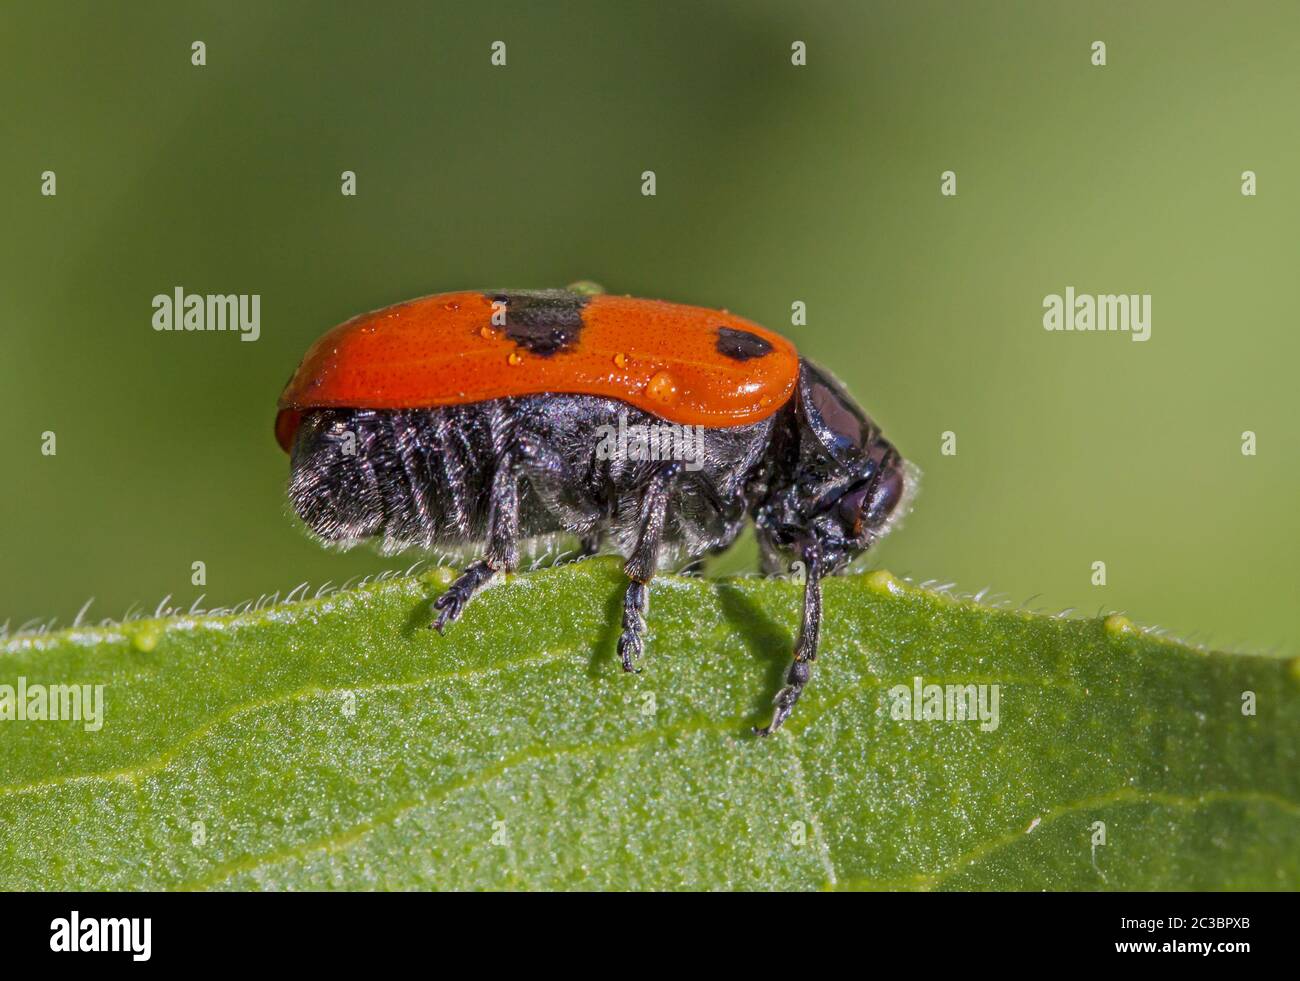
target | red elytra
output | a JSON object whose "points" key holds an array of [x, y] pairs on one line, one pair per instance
{"points": [[684, 364]]}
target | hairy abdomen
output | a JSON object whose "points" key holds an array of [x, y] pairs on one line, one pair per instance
{"points": [[422, 478]]}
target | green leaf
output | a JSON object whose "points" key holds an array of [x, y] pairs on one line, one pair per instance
{"points": [[338, 743]]}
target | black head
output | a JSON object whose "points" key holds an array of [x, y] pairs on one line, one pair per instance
{"points": [[840, 486]]}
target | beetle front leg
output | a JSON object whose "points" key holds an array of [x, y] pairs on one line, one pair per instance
{"points": [[805, 650], [641, 564], [502, 552]]}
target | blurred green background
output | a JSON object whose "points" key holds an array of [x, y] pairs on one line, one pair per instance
{"points": [[775, 183]]}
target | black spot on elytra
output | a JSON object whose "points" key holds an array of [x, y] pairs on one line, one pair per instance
{"points": [[741, 345], [542, 322]]}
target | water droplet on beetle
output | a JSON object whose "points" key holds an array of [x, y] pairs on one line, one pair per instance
{"points": [[514, 358], [661, 387], [620, 360]]}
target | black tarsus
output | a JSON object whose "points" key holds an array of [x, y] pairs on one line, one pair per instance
{"points": [[641, 564], [453, 602], [636, 603], [805, 649]]}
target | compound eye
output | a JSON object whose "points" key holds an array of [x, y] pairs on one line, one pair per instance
{"points": [[888, 492]]}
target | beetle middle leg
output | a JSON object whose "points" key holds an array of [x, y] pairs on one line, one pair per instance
{"points": [[641, 564], [527, 458], [502, 552]]}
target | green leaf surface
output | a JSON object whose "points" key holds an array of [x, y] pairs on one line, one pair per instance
{"points": [[337, 743]]}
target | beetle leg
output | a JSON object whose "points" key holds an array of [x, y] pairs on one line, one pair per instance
{"points": [[538, 460], [453, 602], [502, 552], [641, 564], [805, 650]]}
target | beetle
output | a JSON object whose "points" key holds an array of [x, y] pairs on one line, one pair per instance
{"points": [[470, 418]]}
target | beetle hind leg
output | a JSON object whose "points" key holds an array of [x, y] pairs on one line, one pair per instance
{"points": [[527, 458], [453, 602], [641, 564]]}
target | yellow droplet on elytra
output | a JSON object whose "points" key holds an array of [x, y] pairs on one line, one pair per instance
{"points": [[620, 360], [486, 332], [1117, 625], [661, 387], [515, 358]]}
